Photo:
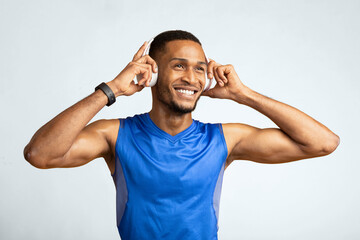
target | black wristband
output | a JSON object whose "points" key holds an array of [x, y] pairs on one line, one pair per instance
{"points": [[108, 92]]}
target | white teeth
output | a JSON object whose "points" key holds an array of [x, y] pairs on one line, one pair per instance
{"points": [[188, 92]]}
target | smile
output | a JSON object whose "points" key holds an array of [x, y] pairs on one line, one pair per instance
{"points": [[187, 92]]}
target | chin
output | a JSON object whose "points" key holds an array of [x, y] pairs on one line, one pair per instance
{"points": [[175, 103], [182, 109]]}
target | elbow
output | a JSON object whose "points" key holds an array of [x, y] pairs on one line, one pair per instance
{"points": [[329, 145], [32, 157], [323, 147], [332, 144]]}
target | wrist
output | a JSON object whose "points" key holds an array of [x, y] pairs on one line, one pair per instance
{"points": [[113, 87], [108, 92], [244, 96]]}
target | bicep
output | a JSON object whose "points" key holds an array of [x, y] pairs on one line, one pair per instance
{"points": [[91, 143], [269, 145]]}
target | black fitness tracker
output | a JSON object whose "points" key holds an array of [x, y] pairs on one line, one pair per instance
{"points": [[108, 92]]}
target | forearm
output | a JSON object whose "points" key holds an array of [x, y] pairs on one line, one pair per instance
{"points": [[55, 138], [301, 128]]}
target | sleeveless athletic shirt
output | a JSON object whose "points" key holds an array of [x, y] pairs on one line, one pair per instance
{"points": [[168, 187]]}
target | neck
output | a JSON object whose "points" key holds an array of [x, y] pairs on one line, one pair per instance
{"points": [[168, 121]]}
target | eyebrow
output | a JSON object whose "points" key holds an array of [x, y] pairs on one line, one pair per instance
{"points": [[185, 60]]}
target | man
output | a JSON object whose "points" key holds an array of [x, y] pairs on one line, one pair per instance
{"points": [[168, 167]]}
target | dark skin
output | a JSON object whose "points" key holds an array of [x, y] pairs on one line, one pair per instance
{"points": [[69, 141]]}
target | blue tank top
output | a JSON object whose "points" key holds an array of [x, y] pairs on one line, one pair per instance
{"points": [[168, 187]]}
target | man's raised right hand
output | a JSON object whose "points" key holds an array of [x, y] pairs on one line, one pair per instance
{"points": [[123, 83]]}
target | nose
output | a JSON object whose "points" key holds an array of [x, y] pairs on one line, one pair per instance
{"points": [[190, 77]]}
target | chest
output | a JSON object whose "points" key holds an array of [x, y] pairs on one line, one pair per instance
{"points": [[163, 167]]}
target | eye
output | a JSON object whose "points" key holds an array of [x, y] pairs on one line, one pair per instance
{"points": [[200, 69], [179, 65]]}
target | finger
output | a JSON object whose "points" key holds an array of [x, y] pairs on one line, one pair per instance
{"points": [[210, 70], [134, 88], [220, 72], [148, 60], [147, 83], [140, 73], [145, 71], [145, 77], [140, 52], [217, 78], [211, 65], [138, 87]]}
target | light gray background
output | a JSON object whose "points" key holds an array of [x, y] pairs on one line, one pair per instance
{"points": [[304, 53]]}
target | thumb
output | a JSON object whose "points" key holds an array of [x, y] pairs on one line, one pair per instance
{"points": [[208, 93], [139, 87]]}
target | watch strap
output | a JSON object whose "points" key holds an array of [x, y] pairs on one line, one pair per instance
{"points": [[108, 92]]}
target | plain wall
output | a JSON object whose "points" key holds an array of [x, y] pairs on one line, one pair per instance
{"points": [[303, 53]]}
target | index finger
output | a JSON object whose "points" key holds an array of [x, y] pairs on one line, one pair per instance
{"points": [[140, 52], [210, 68], [148, 60]]}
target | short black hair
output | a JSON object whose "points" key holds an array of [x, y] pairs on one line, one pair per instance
{"points": [[159, 42]]}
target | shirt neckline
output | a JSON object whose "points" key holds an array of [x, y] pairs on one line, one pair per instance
{"points": [[158, 130]]}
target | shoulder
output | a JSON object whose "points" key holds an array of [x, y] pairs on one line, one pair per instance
{"points": [[201, 124], [237, 128], [107, 128], [234, 133], [105, 124], [109, 125]]}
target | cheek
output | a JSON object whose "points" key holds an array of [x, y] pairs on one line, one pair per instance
{"points": [[202, 79], [164, 74], [169, 77]]}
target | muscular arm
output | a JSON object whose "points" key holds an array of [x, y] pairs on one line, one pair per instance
{"points": [[60, 142], [66, 141], [298, 137]]}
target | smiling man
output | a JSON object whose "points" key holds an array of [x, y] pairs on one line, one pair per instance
{"points": [[168, 167]]}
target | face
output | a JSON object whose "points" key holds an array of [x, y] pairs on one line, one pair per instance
{"points": [[181, 78]]}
